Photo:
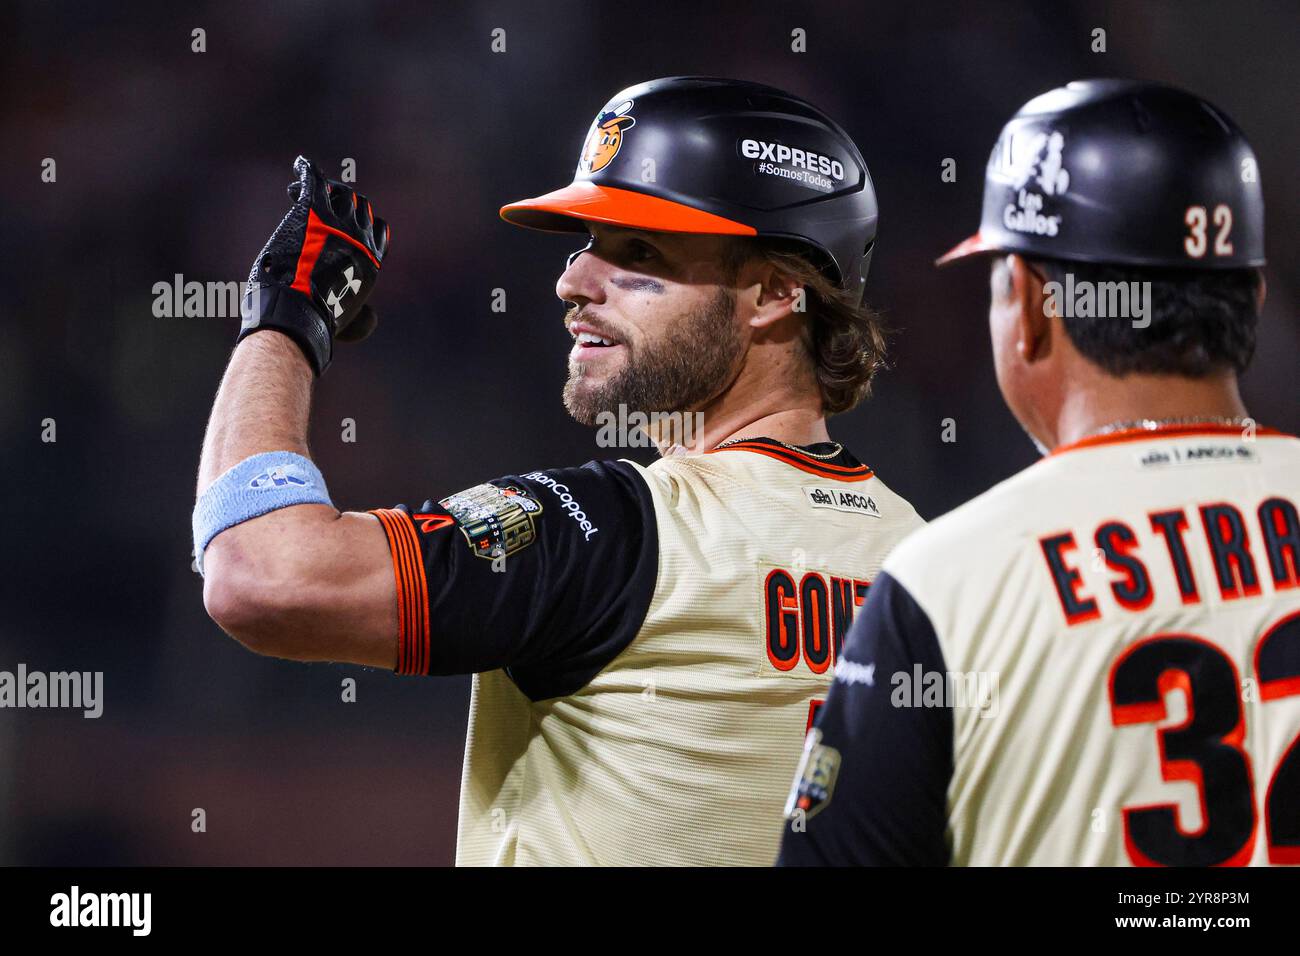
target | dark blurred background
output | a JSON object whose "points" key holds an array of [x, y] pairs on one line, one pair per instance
{"points": [[171, 161]]}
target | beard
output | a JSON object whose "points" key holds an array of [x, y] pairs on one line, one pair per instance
{"points": [[680, 370]]}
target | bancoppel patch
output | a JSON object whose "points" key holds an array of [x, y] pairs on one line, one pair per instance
{"points": [[841, 499]]}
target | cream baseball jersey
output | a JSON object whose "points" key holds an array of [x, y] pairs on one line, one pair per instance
{"points": [[1097, 662], [649, 644]]}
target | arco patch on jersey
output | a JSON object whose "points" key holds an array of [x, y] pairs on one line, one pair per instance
{"points": [[496, 520], [605, 137], [840, 499], [814, 780]]}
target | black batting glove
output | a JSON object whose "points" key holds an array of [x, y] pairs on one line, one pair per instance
{"points": [[312, 278]]}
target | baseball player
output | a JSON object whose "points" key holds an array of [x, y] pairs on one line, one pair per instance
{"points": [[648, 644], [1096, 662]]}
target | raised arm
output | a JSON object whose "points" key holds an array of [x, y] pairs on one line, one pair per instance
{"points": [[299, 581]]}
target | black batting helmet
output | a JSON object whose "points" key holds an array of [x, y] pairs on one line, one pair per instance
{"points": [[1122, 172], [724, 157]]}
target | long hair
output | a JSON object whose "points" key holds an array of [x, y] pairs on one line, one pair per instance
{"points": [[845, 340]]}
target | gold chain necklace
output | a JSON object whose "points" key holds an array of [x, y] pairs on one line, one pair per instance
{"points": [[1152, 424], [839, 449]]}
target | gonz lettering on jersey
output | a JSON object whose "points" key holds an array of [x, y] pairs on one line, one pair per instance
{"points": [[806, 617]]}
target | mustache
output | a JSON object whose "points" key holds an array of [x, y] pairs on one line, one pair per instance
{"points": [[575, 313]]}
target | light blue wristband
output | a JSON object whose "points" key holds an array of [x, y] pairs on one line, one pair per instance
{"points": [[258, 485]]}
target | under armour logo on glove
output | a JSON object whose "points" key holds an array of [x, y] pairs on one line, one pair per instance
{"points": [[313, 277], [351, 285]]}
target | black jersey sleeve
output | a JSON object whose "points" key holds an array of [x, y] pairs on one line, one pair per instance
{"points": [[872, 786], [548, 575]]}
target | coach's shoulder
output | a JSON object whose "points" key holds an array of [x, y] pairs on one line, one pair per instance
{"points": [[974, 535]]}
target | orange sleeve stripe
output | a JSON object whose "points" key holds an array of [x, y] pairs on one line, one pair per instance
{"points": [[412, 591], [399, 577], [417, 596]]}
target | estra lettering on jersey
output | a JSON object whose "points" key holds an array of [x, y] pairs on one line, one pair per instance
{"points": [[1243, 549]]}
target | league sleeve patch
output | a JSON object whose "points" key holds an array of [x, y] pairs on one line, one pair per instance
{"points": [[496, 520], [814, 780]]}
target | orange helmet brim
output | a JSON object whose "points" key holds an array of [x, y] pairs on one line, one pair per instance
{"points": [[565, 210]]}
